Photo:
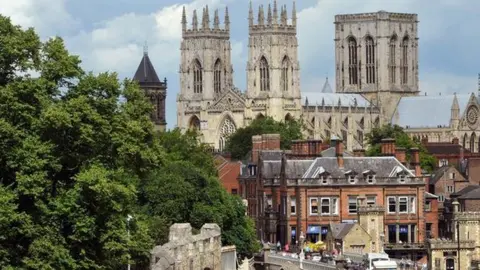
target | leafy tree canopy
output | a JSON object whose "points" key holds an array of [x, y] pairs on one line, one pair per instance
{"points": [[240, 143], [375, 137], [75, 162]]}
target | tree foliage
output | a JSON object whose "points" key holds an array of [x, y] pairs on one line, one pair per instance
{"points": [[376, 135], [75, 162], [240, 143]]}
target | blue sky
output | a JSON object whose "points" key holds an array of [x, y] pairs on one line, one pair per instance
{"points": [[110, 34]]}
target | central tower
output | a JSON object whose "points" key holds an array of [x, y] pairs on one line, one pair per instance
{"points": [[273, 69]]}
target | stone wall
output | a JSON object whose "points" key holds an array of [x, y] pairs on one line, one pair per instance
{"points": [[185, 251]]}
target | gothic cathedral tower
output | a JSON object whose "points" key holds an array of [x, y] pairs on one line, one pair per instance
{"points": [[376, 55], [273, 78], [205, 68], [154, 89]]}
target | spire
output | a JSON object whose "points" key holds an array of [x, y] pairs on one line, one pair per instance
{"points": [[216, 20], [227, 19], [205, 19], [261, 16], [145, 49], [195, 20], [284, 15], [250, 14], [275, 12], [294, 14], [145, 72], [269, 15], [184, 20]]}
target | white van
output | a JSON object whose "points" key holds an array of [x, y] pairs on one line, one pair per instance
{"points": [[386, 265], [370, 258]]}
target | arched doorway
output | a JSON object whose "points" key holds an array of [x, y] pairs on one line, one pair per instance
{"points": [[288, 117], [260, 116], [194, 123]]}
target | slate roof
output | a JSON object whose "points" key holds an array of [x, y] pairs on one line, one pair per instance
{"points": [[444, 148], [331, 152], [468, 192], [332, 99], [146, 72], [429, 195], [438, 174], [471, 195], [384, 167], [427, 111], [340, 230]]}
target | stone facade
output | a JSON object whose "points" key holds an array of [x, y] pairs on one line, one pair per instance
{"points": [[185, 251]]}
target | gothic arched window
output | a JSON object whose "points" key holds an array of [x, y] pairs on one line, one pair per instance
{"points": [[352, 61], [264, 75], [226, 129], [464, 144], [194, 123], [392, 60], [217, 76], [197, 77], [404, 67], [370, 59], [284, 78], [473, 138]]}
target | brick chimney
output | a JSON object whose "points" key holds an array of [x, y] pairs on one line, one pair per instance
{"points": [[358, 152], [339, 152], [415, 162], [455, 141], [256, 147], [388, 147], [307, 148], [271, 142], [401, 155]]}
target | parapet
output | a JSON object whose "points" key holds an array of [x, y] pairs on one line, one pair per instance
{"points": [[450, 244], [467, 216], [373, 16], [370, 209]]}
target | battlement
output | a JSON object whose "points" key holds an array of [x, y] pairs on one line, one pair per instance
{"points": [[273, 23], [370, 209], [449, 244], [374, 16], [205, 29], [467, 216]]}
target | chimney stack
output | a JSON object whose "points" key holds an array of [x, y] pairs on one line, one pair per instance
{"points": [[339, 152], [256, 147], [416, 161], [388, 147], [270, 141], [401, 155], [358, 152]]}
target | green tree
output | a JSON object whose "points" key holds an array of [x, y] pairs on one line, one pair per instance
{"points": [[376, 135], [239, 144]]}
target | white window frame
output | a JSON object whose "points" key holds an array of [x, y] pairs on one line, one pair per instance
{"points": [[369, 200], [402, 178], [325, 180], [293, 205], [356, 205], [310, 206], [441, 198], [428, 206], [405, 199], [394, 203], [334, 205], [450, 189], [352, 179], [328, 205], [371, 179], [412, 204]]}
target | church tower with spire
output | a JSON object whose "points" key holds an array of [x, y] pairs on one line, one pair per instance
{"points": [[273, 77], [155, 90]]}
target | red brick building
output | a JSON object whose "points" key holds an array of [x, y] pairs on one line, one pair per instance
{"points": [[288, 194], [228, 172]]}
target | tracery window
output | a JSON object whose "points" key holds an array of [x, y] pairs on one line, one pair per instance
{"points": [[370, 59], [226, 129], [197, 77], [284, 77], [352, 61], [217, 77], [392, 60], [404, 67], [264, 75]]}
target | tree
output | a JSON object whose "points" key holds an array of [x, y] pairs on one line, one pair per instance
{"points": [[239, 144], [376, 135], [74, 161]]}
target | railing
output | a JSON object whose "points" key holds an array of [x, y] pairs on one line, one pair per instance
{"points": [[307, 265], [386, 181]]}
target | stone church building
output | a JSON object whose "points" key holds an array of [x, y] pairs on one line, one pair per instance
{"points": [[376, 62]]}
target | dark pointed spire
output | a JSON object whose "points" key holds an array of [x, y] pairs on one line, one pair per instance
{"points": [[250, 14], [146, 72], [216, 20], [145, 48], [195, 20], [184, 20], [269, 15], [275, 12], [227, 19]]}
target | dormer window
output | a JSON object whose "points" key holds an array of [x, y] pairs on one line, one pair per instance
{"points": [[369, 176], [325, 178], [402, 178], [351, 176]]}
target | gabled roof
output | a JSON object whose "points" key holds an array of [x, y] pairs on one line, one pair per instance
{"points": [[438, 174], [146, 72], [469, 192], [340, 230], [427, 111]]}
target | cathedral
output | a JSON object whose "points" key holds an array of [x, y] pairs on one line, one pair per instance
{"points": [[376, 78]]}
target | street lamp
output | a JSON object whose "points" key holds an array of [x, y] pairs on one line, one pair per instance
{"points": [[302, 255], [129, 217]]}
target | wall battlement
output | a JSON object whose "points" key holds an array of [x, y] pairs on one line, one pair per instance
{"points": [[380, 15], [205, 29]]}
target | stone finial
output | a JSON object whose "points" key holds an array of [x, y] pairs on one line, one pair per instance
{"points": [[275, 12], [269, 15], [216, 20], [184, 20], [261, 16], [284, 15], [195, 20], [205, 19], [227, 19], [294, 14], [250, 14]]}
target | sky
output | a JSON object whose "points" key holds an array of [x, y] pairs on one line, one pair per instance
{"points": [[109, 35]]}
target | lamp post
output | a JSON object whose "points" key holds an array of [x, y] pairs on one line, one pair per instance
{"points": [[129, 217], [458, 244], [302, 255]]}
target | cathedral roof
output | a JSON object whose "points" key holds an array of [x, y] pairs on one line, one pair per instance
{"points": [[334, 99], [427, 111], [145, 71], [326, 87]]}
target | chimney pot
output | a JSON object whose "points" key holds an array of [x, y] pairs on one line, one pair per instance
{"points": [[358, 152], [416, 161], [400, 154], [388, 147], [339, 152]]}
